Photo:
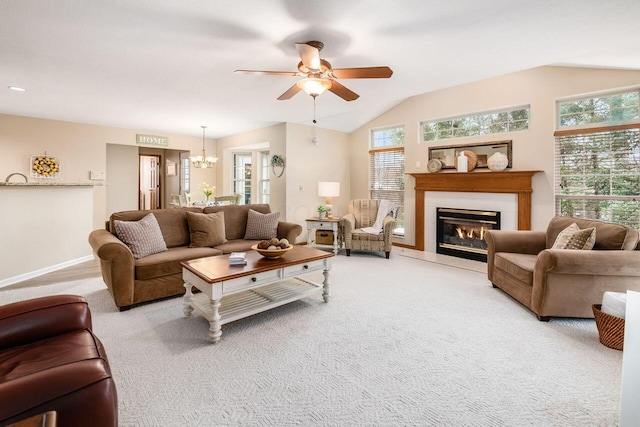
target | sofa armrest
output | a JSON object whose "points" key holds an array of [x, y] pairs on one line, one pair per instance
{"points": [[521, 242], [289, 231], [348, 225], [36, 319], [388, 225], [588, 263], [117, 265]]}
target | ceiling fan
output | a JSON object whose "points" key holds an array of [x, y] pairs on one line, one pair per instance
{"points": [[320, 76]]}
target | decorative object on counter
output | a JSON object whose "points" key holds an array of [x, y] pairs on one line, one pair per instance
{"points": [[45, 166], [16, 173], [322, 211], [207, 190], [277, 161], [434, 165], [466, 161], [498, 162]]}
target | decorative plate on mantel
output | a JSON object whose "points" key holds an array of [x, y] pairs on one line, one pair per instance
{"points": [[434, 165]]}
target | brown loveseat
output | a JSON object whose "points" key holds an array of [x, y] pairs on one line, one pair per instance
{"points": [[50, 360], [563, 282], [132, 281]]}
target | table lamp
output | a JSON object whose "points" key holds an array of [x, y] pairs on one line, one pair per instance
{"points": [[329, 190]]}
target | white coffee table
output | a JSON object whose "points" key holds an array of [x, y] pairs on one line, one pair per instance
{"points": [[230, 293]]}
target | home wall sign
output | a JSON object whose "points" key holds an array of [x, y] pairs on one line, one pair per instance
{"points": [[162, 141]]}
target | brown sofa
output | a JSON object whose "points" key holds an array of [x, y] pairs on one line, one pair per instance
{"points": [[563, 282], [133, 281], [50, 360]]}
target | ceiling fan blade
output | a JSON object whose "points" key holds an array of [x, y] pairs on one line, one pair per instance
{"points": [[362, 73], [343, 92], [271, 73], [289, 93], [310, 56]]}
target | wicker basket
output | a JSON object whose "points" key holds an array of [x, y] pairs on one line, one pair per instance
{"points": [[610, 328]]}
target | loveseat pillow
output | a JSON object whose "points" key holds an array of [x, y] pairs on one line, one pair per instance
{"points": [[207, 230], [573, 237], [261, 226], [143, 237]]}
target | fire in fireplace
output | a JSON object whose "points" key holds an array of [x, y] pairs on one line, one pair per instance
{"points": [[460, 232]]}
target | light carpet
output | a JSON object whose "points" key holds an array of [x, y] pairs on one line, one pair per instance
{"points": [[402, 342]]}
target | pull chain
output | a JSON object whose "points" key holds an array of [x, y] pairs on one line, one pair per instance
{"points": [[314, 109]]}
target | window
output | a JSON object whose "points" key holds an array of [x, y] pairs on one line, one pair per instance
{"points": [[242, 176], [597, 163], [496, 121], [185, 173], [386, 169], [264, 177], [607, 109]]}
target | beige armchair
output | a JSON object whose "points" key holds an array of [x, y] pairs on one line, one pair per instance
{"points": [[363, 213], [563, 282]]}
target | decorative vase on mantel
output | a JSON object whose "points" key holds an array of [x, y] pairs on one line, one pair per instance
{"points": [[497, 162]]}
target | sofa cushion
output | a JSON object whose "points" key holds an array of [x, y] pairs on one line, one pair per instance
{"points": [[608, 236], [207, 230], [261, 226], [519, 266], [573, 237], [235, 218], [168, 262], [143, 237], [237, 245], [173, 223]]}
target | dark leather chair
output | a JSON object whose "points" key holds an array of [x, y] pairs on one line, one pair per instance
{"points": [[50, 360]]}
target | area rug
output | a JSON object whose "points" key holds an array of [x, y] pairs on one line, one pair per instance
{"points": [[403, 342]]}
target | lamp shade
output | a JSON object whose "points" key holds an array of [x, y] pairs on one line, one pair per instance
{"points": [[328, 189]]}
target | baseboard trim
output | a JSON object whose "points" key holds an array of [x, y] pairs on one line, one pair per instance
{"points": [[402, 245], [26, 276]]}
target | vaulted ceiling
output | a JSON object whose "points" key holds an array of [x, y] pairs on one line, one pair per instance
{"points": [[168, 65]]}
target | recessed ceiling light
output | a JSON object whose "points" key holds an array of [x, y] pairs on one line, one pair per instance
{"points": [[17, 89]]}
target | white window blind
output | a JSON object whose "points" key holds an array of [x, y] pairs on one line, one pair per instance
{"points": [[386, 175], [598, 174]]}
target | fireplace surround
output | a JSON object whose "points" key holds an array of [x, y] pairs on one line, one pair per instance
{"points": [[515, 182]]}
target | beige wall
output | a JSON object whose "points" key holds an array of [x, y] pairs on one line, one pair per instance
{"points": [[80, 148], [532, 149], [308, 164], [122, 171]]}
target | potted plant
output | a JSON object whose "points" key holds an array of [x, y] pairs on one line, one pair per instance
{"points": [[322, 211]]}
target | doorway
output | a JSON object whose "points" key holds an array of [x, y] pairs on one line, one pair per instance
{"points": [[149, 182]]}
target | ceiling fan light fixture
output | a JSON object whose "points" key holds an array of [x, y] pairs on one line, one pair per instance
{"points": [[203, 161], [314, 86]]}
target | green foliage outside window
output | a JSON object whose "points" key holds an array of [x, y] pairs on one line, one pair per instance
{"points": [[499, 121]]}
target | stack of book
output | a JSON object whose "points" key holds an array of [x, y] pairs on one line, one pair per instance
{"points": [[238, 258]]}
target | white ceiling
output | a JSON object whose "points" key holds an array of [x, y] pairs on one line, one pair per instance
{"points": [[167, 65]]}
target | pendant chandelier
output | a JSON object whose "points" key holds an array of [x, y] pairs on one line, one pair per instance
{"points": [[203, 161]]}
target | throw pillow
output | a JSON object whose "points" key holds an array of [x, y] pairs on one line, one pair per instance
{"points": [[142, 237], [573, 237], [207, 230], [261, 226]]}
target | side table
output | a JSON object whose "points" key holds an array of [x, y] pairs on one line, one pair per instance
{"points": [[327, 224]]}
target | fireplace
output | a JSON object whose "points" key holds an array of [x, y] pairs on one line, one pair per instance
{"points": [[460, 232]]}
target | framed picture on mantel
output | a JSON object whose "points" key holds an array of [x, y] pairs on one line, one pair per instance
{"points": [[484, 150]]}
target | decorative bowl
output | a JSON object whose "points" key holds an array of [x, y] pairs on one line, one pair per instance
{"points": [[273, 253]]}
